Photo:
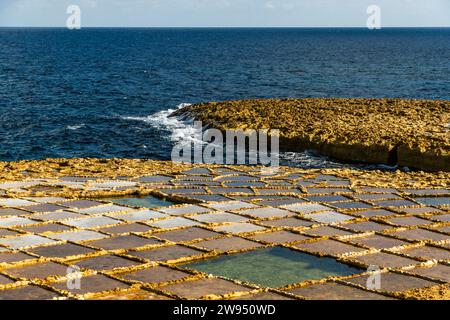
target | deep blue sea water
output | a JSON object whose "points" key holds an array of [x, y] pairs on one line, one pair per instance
{"points": [[106, 92]]}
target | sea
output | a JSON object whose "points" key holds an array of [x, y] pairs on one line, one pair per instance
{"points": [[108, 92]]}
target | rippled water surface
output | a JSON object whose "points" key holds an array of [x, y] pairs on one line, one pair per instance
{"points": [[107, 92], [273, 267], [144, 202]]}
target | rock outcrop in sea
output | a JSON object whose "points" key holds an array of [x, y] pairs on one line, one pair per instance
{"points": [[411, 133]]}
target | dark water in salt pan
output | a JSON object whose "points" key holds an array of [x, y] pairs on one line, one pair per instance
{"points": [[144, 202], [273, 267]]}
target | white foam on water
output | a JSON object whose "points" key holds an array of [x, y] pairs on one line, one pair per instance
{"points": [[308, 160], [75, 127], [181, 131]]}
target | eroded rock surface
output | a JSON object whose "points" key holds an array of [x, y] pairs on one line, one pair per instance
{"points": [[413, 133]]}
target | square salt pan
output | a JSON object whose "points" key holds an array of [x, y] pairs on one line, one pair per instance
{"points": [[328, 190], [18, 184], [326, 177], [92, 222], [232, 205], [124, 242], [71, 185], [378, 190], [105, 209], [245, 184], [442, 217], [174, 223], [351, 205], [327, 198], [168, 253], [80, 204], [189, 209], [409, 221], [140, 215], [431, 192], [193, 178], [237, 178], [20, 242], [394, 282], [288, 223], [329, 217], [328, 247], [92, 284], [156, 275], [228, 244], [44, 208], [197, 289], [223, 171], [422, 234], [306, 207], [7, 212], [385, 260], [181, 191], [335, 291], [379, 242], [58, 216], [106, 262], [280, 202], [45, 199], [225, 190], [113, 184], [438, 201], [267, 213], [82, 235], [223, 217], [239, 228], [207, 198], [13, 202], [395, 203], [279, 191], [15, 221], [155, 179], [197, 171], [196, 183]]}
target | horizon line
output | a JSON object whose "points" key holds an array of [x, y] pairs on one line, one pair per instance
{"points": [[230, 27]]}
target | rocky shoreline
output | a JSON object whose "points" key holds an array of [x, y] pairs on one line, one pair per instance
{"points": [[119, 168], [407, 133]]}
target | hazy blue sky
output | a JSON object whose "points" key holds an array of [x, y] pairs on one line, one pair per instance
{"points": [[147, 13]]}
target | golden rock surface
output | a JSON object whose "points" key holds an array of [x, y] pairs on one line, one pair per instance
{"points": [[413, 133]]}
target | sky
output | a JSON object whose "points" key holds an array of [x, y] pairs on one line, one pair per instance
{"points": [[225, 13]]}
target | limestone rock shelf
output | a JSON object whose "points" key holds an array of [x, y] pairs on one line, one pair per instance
{"points": [[412, 133]]}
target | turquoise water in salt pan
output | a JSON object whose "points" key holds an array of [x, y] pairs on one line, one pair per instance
{"points": [[273, 267]]}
